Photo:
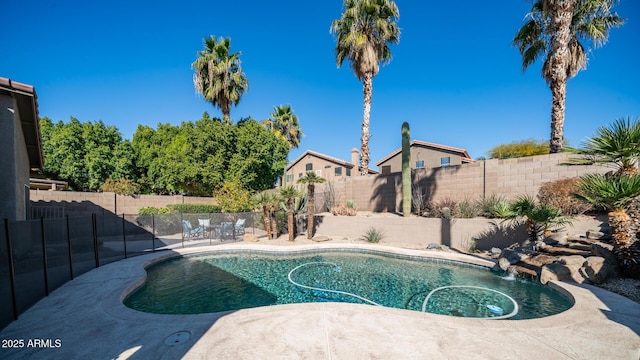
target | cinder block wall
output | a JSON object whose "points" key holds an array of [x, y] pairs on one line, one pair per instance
{"points": [[509, 178]]}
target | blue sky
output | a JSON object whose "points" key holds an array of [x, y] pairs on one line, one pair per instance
{"points": [[454, 76]]}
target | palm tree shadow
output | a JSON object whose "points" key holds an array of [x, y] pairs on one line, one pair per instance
{"points": [[617, 308]]}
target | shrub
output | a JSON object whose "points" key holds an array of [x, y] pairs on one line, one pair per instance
{"points": [[419, 198], [372, 235], [494, 206], [193, 208], [444, 208], [150, 210], [468, 209], [233, 197], [347, 210], [558, 194]]}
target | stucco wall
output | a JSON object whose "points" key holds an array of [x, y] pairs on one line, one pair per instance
{"points": [[14, 162]]}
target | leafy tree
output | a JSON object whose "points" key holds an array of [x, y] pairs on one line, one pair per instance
{"points": [[520, 148], [555, 29], [258, 158], [618, 143], [311, 179], [363, 34], [219, 76], [289, 193], [122, 186], [613, 193], [233, 198], [284, 123]]}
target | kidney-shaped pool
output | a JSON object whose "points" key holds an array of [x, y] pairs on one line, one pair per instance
{"points": [[214, 282]]}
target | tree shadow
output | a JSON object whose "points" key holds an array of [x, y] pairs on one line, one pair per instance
{"points": [[501, 235]]}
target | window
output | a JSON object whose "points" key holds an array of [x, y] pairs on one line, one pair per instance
{"points": [[348, 171], [327, 166], [420, 164], [386, 169], [299, 175], [445, 161], [289, 178], [338, 171], [308, 167]]}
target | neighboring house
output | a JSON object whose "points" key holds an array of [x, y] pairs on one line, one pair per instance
{"points": [[425, 155], [20, 146], [323, 165]]}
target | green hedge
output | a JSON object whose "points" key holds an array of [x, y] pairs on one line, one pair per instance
{"points": [[193, 208]]}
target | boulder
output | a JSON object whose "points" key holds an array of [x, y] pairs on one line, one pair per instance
{"points": [[503, 263], [604, 250], [597, 235], [250, 238], [556, 272], [321, 238], [572, 260], [597, 269], [495, 251]]}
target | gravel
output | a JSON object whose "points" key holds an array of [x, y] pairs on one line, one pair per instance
{"points": [[624, 286]]}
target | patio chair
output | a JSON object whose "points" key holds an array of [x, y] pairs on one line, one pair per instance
{"points": [[205, 224], [239, 226], [189, 232], [225, 230]]}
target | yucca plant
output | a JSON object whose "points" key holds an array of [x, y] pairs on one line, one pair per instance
{"points": [[613, 193], [618, 143], [372, 235]]}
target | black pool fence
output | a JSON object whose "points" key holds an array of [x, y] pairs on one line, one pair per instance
{"points": [[37, 256]]}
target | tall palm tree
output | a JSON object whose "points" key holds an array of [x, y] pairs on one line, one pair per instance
{"points": [[555, 29], [284, 123], [218, 76], [613, 193], [618, 143], [289, 193], [311, 179], [363, 34]]}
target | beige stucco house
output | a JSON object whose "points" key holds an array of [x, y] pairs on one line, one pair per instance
{"points": [[323, 165], [425, 155], [20, 146]]}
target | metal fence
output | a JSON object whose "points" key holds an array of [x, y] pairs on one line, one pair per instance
{"points": [[37, 256]]}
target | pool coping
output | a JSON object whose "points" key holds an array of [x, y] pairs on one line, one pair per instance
{"points": [[88, 311]]}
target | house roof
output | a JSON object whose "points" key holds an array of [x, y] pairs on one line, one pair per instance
{"points": [[327, 158], [466, 158], [27, 103]]}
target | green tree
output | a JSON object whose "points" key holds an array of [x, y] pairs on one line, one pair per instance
{"points": [[618, 143], [233, 198], [554, 29], [311, 179], [363, 34], [218, 75], [289, 193], [518, 149], [613, 193], [284, 123]]}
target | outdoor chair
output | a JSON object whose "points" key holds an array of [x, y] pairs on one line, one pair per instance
{"points": [[188, 232], [240, 226], [225, 230], [205, 224]]}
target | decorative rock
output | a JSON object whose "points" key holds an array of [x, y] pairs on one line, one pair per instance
{"points": [[444, 248], [605, 251], [598, 235], [556, 272], [321, 238], [597, 269], [495, 251], [250, 238], [503, 263], [433, 246], [572, 260]]}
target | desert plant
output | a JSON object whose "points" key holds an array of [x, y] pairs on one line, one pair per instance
{"points": [[289, 193], [493, 206], [468, 209], [419, 198], [559, 194], [263, 200], [406, 171], [538, 218], [349, 209], [372, 235], [443, 208]]}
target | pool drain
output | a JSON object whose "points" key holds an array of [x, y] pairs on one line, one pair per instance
{"points": [[177, 338]]}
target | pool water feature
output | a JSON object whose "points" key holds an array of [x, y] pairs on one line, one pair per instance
{"points": [[229, 281]]}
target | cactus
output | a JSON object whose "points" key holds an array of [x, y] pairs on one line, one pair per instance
{"points": [[406, 171]]}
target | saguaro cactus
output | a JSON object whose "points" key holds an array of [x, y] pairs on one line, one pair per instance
{"points": [[406, 171]]}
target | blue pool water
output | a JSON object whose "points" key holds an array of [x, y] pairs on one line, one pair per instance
{"points": [[230, 281]]}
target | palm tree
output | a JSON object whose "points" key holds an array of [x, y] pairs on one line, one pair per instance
{"points": [[555, 29], [263, 200], [218, 76], [618, 143], [363, 34], [289, 193], [272, 204], [311, 179], [613, 193], [284, 123], [538, 217]]}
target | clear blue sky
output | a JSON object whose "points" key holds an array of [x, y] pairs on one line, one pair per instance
{"points": [[454, 76]]}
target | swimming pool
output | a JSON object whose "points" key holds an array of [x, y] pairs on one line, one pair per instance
{"points": [[215, 282]]}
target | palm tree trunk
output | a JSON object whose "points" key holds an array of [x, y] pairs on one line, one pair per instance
{"points": [[290, 222], [623, 240], [267, 221], [364, 151], [311, 205], [562, 12]]}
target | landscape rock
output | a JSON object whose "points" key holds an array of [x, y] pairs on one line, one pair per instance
{"points": [[495, 251], [597, 269], [604, 250], [504, 264], [250, 238], [598, 235], [321, 238], [572, 260], [433, 246], [556, 272]]}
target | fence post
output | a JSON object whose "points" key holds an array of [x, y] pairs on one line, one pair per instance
{"points": [[12, 274], [69, 248], [153, 233], [95, 239], [44, 258], [182, 224], [124, 237]]}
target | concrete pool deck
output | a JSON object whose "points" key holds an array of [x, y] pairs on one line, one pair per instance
{"points": [[85, 319]]}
